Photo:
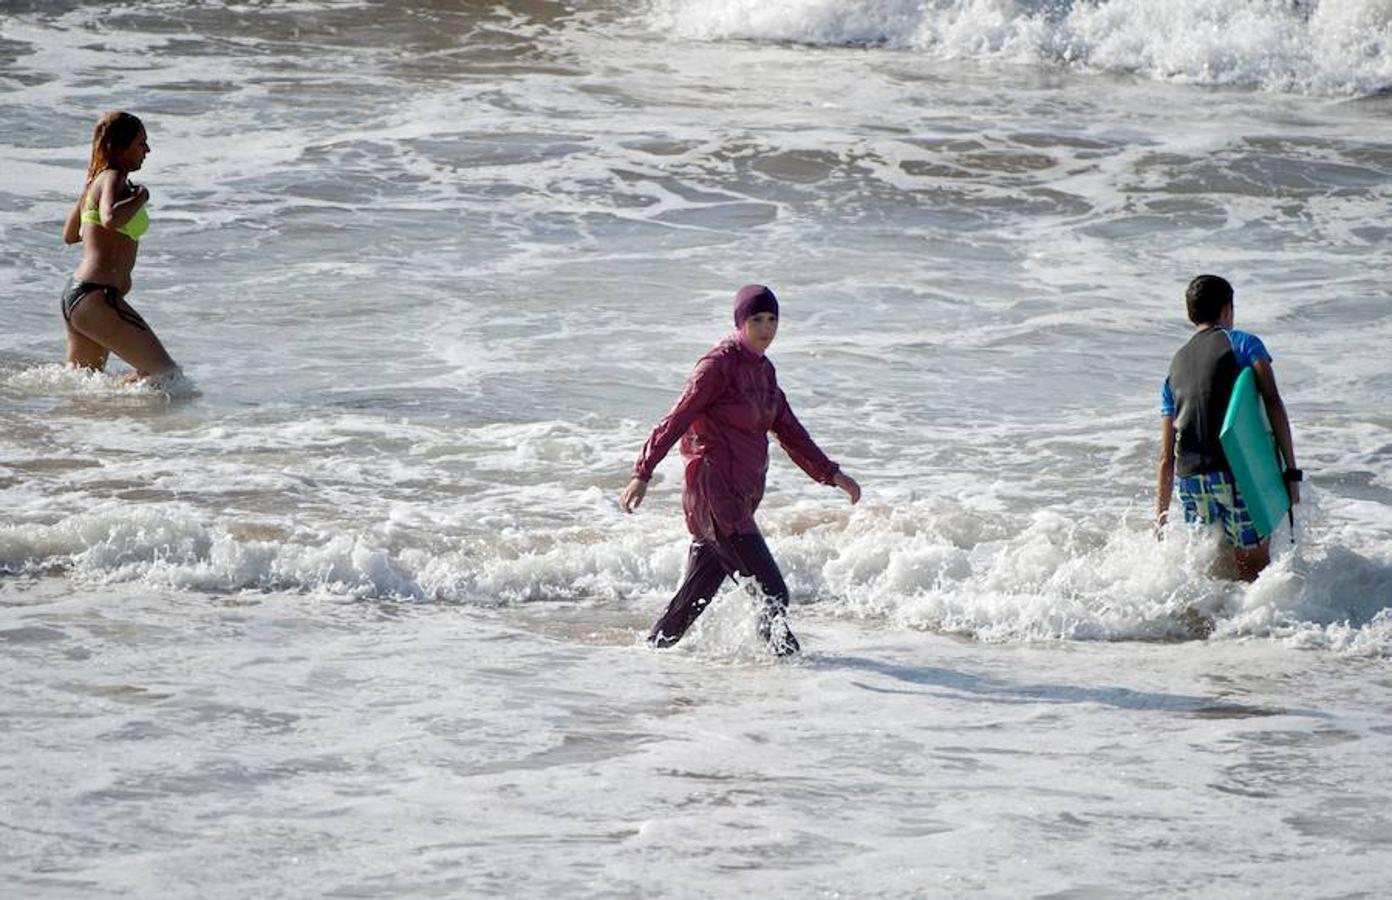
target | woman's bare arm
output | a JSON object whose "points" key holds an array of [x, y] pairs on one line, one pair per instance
{"points": [[72, 226]]}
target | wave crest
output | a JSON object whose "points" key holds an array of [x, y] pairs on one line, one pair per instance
{"points": [[922, 565], [1341, 48]]}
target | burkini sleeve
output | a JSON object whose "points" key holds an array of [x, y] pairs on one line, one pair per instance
{"points": [[799, 446], [703, 386]]}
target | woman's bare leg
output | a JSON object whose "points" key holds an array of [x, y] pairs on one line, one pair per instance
{"points": [[119, 328], [85, 353]]}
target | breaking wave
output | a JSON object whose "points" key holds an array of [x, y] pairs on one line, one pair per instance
{"points": [[1319, 47]]}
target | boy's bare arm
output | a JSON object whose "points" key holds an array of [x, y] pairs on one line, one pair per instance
{"points": [[1280, 422], [1164, 471]]}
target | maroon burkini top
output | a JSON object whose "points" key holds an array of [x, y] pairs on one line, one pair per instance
{"points": [[729, 405]]}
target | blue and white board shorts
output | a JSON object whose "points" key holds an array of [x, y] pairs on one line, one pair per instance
{"points": [[1212, 497]]}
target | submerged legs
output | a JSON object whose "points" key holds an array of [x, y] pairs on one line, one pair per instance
{"points": [[705, 572], [708, 564]]}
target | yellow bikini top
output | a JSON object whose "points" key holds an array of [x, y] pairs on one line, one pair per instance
{"points": [[136, 226]]}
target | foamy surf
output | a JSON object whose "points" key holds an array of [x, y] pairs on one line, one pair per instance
{"points": [[1321, 47], [119, 384], [913, 567]]}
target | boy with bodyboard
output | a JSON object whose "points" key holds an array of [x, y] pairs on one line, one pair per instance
{"points": [[1195, 450]]}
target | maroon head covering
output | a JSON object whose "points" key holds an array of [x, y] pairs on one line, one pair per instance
{"points": [[751, 299]]}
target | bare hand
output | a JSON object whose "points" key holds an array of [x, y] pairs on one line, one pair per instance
{"points": [[1294, 488], [847, 484], [633, 494]]}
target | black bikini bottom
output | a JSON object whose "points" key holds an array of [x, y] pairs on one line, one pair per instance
{"points": [[76, 290]]}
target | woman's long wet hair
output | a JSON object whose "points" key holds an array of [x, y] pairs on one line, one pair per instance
{"points": [[114, 133]]}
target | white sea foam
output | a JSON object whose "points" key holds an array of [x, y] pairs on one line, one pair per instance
{"points": [[922, 565], [1335, 47], [116, 385]]}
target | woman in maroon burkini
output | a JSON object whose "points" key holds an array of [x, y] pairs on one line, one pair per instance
{"points": [[730, 404]]}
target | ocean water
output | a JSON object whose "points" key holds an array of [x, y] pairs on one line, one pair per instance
{"points": [[351, 610]]}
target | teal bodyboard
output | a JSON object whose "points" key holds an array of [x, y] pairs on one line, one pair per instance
{"points": [[1252, 455]]}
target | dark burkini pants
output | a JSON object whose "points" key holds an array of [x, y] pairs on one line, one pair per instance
{"points": [[708, 564]]}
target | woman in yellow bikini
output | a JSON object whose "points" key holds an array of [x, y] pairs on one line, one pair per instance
{"points": [[109, 219]]}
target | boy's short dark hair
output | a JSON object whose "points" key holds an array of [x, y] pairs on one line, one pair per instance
{"points": [[1206, 297]]}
